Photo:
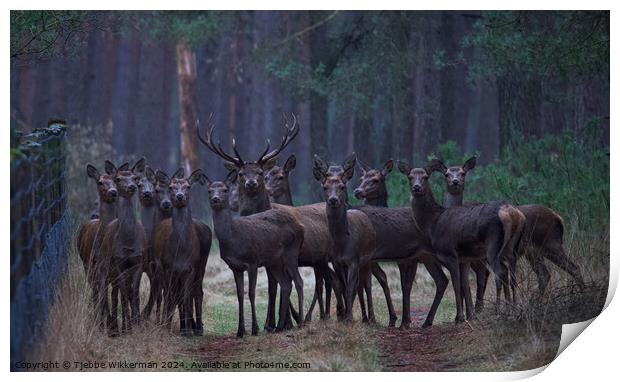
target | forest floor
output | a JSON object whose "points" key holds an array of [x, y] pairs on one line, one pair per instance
{"points": [[509, 341]]}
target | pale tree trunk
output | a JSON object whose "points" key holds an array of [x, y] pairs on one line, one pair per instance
{"points": [[186, 69]]}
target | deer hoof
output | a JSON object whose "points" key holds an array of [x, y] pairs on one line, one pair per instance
{"points": [[404, 325], [392, 322], [427, 324], [240, 333], [255, 330]]}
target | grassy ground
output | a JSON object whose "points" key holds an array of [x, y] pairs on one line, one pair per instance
{"points": [[521, 336]]}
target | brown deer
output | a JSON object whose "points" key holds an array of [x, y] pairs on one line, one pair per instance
{"points": [[542, 235], [90, 236], [124, 245], [254, 198], [181, 246], [351, 231], [497, 225], [398, 238], [277, 184], [270, 239]]}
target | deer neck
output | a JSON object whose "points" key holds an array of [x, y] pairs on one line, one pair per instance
{"points": [[181, 222], [107, 212], [254, 204], [149, 216], [425, 210], [284, 198], [127, 220], [338, 224], [453, 200], [222, 224], [379, 201]]}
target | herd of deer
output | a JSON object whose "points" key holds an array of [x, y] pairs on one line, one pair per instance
{"points": [[257, 225]]}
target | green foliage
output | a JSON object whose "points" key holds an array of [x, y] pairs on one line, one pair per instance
{"points": [[41, 34], [568, 172], [540, 42], [193, 27]]}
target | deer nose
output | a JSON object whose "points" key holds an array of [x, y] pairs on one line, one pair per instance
{"points": [[132, 188], [147, 194], [416, 187], [165, 204], [113, 193], [333, 201], [358, 193], [216, 199], [251, 184], [180, 197], [455, 182]]}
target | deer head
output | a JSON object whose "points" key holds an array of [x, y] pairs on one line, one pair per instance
{"points": [[127, 178], [455, 175], [277, 178], [418, 177], [146, 186], [334, 179], [162, 195], [250, 174], [372, 182], [219, 192], [105, 182], [179, 186]]}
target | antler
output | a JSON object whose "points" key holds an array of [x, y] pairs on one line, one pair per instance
{"points": [[217, 150], [291, 133]]}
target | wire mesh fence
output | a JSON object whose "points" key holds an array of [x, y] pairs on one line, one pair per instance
{"points": [[40, 231]]}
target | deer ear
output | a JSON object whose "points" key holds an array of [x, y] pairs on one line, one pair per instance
{"points": [[230, 166], [162, 177], [435, 165], [290, 163], [349, 167], [139, 166], [363, 166], [196, 176], [231, 178], [387, 167], [150, 174], [469, 164], [110, 168], [404, 167], [92, 171], [269, 164], [179, 174], [124, 167], [319, 170]]}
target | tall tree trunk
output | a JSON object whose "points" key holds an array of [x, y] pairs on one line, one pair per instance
{"points": [[186, 70]]}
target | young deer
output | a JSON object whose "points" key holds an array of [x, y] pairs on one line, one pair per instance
{"points": [[254, 198], [181, 246], [269, 239], [277, 184], [351, 231], [124, 245], [542, 235], [398, 238], [497, 225], [90, 237]]}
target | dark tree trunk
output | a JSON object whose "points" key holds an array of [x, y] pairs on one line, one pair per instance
{"points": [[186, 71]]}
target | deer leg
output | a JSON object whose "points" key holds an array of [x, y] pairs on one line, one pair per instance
{"points": [[338, 288], [285, 294], [198, 298], [186, 308], [466, 291], [318, 290], [441, 283], [482, 275], [368, 289], [406, 282], [252, 292], [351, 286], [513, 278], [451, 262], [299, 287], [555, 253], [382, 279], [135, 296], [540, 269], [239, 282], [272, 289], [360, 294]]}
